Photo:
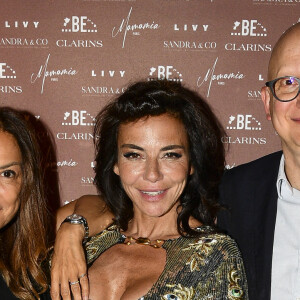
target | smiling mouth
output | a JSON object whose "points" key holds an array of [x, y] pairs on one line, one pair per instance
{"points": [[152, 193]]}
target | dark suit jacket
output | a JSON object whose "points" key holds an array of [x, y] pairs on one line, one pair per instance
{"points": [[249, 191]]}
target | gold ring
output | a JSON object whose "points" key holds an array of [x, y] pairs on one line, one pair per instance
{"points": [[74, 282]]}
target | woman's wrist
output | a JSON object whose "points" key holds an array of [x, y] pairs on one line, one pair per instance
{"points": [[76, 233], [80, 221]]}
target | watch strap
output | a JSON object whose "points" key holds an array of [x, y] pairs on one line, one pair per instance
{"points": [[76, 219]]}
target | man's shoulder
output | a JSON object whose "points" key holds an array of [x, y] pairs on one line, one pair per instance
{"points": [[263, 168], [261, 165]]}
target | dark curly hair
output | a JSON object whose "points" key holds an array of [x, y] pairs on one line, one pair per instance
{"points": [[206, 151]]}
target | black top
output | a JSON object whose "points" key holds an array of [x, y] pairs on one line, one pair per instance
{"points": [[6, 294]]}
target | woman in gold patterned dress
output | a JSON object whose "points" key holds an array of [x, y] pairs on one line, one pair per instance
{"points": [[159, 160]]}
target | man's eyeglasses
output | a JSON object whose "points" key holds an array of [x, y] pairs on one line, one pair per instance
{"points": [[285, 89]]}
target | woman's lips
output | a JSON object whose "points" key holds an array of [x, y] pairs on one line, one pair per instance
{"points": [[153, 195]]}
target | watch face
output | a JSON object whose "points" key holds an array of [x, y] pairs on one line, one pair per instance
{"points": [[75, 217]]}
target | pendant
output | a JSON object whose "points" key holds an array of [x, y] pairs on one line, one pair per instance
{"points": [[129, 240]]}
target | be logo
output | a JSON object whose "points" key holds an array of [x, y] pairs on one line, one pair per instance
{"points": [[243, 122], [165, 72], [78, 117], [249, 28], [6, 71], [79, 24]]}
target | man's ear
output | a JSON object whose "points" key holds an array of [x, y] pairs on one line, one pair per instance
{"points": [[266, 99], [116, 169]]}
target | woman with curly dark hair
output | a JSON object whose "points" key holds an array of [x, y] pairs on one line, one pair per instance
{"points": [[159, 160], [23, 214]]}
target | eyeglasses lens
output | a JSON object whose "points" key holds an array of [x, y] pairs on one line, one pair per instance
{"points": [[286, 88]]}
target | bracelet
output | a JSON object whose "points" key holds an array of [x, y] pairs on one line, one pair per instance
{"points": [[78, 219]]}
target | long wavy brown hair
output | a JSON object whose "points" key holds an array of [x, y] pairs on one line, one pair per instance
{"points": [[23, 244]]}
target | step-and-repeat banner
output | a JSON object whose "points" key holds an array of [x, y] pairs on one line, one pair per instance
{"points": [[62, 60]]}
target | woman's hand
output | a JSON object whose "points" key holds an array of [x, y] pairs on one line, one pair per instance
{"points": [[68, 266]]}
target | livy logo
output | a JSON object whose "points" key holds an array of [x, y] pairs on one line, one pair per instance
{"points": [[192, 27], [21, 24], [108, 73]]}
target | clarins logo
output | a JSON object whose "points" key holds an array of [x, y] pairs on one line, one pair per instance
{"points": [[10, 89], [135, 28], [248, 140], [210, 77], [79, 43]]}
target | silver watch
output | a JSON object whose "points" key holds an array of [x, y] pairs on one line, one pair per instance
{"points": [[78, 219]]}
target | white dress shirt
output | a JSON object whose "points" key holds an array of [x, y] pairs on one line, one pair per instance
{"points": [[286, 250]]}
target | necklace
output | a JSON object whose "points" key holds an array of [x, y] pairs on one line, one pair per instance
{"points": [[129, 240]]}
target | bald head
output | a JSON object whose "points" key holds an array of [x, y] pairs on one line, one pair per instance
{"points": [[287, 46]]}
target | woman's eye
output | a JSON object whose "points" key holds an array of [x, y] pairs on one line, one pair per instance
{"points": [[173, 155], [8, 173], [131, 155]]}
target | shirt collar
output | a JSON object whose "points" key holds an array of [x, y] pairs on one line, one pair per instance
{"points": [[284, 189], [281, 179]]}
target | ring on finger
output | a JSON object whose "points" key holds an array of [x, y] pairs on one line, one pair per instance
{"points": [[81, 276], [74, 282]]}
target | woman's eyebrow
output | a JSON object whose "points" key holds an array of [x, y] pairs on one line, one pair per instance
{"points": [[132, 146], [172, 147], [14, 163]]}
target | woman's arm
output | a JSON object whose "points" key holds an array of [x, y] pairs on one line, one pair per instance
{"points": [[68, 261]]}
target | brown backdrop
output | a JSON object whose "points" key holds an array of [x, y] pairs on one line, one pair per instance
{"points": [[62, 60]]}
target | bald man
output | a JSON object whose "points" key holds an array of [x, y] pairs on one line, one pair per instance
{"points": [[263, 196]]}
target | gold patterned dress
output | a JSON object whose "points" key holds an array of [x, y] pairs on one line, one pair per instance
{"points": [[208, 267]]}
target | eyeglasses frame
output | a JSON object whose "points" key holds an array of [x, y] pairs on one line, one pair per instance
{"points": [[270, 84]]}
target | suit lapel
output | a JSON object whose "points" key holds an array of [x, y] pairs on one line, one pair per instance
{"points": [[265, 218]]}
